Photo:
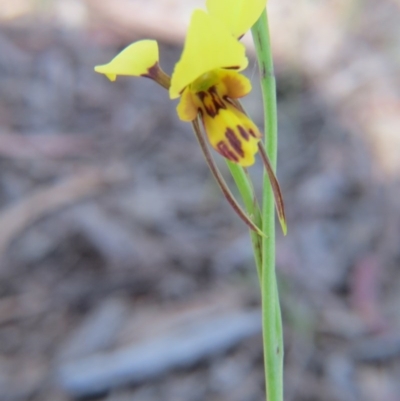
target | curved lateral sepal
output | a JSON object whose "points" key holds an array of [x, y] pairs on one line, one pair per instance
{"points": [[280, 207], [221, 182]]}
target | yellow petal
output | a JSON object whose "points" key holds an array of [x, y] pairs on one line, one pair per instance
{"points": [[228, 83], [237, 15], [134, 60], [209, 45], [232, 134], [187, 109], [236, 85]]}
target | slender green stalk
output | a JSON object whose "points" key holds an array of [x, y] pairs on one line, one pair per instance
{"points": [[271, 314], [245, 187]]}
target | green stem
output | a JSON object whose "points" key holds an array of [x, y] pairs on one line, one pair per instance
{"points": [[271, 314], [247, 193]]}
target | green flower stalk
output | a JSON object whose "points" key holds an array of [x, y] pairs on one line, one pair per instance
{"points": [[272, 320], [208, 83]]}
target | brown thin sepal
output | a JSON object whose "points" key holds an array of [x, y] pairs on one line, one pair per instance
{"points": [[280, 207], [220, 180]]}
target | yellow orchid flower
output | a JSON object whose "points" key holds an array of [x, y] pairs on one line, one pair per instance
{"points": [[206, 78], [207, 81]]}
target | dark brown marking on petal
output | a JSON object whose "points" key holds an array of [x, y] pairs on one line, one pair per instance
{"points": [[211, 100], [243, 133], [234, 141], [252, 133], [211, 112], [217, 101], [233, 67], [201, 95], [223, 148]]}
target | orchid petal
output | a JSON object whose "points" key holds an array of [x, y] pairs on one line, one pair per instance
{"points": [[209, 46], [237, 15], [137, 59]]}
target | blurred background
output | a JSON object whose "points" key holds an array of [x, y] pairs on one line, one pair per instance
{"points": [[124, 275]]}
